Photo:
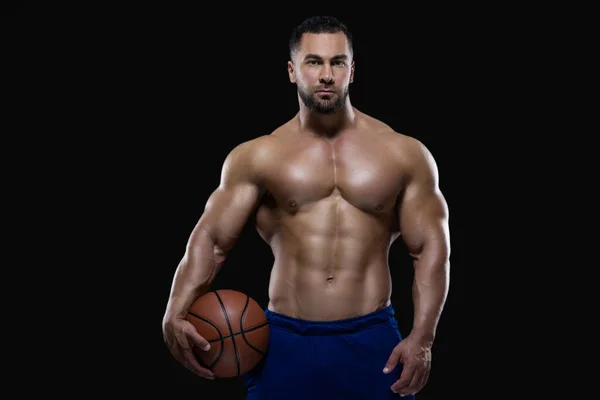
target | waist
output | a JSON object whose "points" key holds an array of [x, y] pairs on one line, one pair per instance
{"points": [[334, 327]]}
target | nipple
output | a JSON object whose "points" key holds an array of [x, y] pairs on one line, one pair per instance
{"points": [[379, 207], [292, 203]]}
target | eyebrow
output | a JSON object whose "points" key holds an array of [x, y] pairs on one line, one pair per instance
{"points": [[336, 57]]}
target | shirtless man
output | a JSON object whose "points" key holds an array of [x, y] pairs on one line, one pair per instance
{"points": [[332, 188]]}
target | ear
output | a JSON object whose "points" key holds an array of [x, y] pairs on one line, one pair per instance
{"points": [[291, 73], [352, 72]]}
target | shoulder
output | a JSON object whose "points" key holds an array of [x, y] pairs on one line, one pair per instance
{"points": [[412, 154], [417, 160], [404, 146], [249, 159], [413, 149], [265, 146], [253, 149]]}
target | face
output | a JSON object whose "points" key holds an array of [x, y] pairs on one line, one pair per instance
{"points": [[323, 70]]}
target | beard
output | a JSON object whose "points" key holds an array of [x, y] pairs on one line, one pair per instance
{"points": [[321, 105]]}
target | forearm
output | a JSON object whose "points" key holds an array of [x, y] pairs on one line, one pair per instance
{"points": [[430, 290], [194, 275]]}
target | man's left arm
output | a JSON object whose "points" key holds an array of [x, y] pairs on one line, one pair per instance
{"points": [[423, 214]]}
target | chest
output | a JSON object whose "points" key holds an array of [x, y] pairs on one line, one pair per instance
{"points": [[364, 173]]}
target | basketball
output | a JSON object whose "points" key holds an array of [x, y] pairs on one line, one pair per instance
{"points": [[236, 328]]}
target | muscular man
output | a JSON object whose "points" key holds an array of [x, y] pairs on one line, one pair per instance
{"points": [[332, 188]]}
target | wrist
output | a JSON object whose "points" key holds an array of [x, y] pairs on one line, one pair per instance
{"points": [[174, 312], [425, 337]]}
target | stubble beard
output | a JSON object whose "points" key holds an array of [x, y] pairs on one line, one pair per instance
{"points": [[320, 105]]}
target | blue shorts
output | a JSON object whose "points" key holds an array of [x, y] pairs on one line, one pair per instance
{"points": [[314, 360]]}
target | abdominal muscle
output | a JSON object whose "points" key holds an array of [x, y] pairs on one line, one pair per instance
{"points": [[330, 260]]}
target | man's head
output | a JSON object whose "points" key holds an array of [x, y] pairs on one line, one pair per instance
{"points": [[321, 63]]}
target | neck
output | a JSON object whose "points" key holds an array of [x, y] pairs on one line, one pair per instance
{"points": [[327, 125]]}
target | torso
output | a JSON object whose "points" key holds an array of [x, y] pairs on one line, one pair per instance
{"points": [[329, 214]]}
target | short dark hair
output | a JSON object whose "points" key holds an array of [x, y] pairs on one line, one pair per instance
{"points": [[318, 24]]}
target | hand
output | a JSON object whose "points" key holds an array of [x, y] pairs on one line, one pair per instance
{"points": [[415, 356], [181, 338]]}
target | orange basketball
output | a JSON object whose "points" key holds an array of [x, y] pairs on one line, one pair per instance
{"points": [[236, 328]]}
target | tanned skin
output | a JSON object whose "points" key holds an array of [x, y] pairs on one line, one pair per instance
{"points": [[333, 188]]}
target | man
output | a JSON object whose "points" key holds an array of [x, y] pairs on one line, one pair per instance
{"points": [[332, 189]]}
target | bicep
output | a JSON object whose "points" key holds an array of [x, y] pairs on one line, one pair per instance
{"points": [[423, 211], [227, 211], [423, 219], [229, 207]]}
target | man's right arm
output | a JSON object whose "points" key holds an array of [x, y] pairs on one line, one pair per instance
{"points": [[227, 211]]}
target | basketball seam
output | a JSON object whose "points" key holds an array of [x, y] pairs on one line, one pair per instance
{"points": [[211, 322], [237, 356], [221, 338], [242, 331]]}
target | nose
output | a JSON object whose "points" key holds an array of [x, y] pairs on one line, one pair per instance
{"points": [[326, 74]]}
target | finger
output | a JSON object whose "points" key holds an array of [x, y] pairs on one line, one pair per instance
{"points": [[393, 361], [415, 383], [188, 342], [405, 379], [191, 363], [195, 339], [425, 377]]}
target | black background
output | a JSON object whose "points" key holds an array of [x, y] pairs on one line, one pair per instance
{"points": [[158, 96]]}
